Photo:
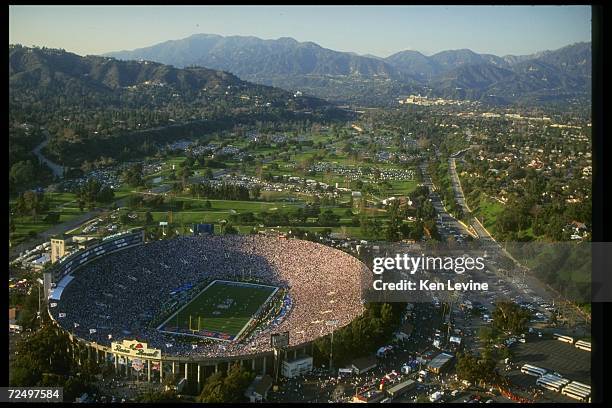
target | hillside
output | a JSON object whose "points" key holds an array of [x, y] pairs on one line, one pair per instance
{"points": [[102, 102], [350, 78]]}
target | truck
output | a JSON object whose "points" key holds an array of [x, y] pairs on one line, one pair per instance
{"points": [[436, 396]]}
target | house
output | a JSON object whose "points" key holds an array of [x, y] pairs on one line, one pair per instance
{"points": [[258, 390], [364, 364]]}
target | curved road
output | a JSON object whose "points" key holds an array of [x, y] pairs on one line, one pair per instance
{"points": [[58, 171]]}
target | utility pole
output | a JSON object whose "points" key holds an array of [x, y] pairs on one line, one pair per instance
{"points": [[38, 286], [40, 282], [333, 324]]}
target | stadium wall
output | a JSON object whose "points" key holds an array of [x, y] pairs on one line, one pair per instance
{"points": [[192, 368], [81, 258]]}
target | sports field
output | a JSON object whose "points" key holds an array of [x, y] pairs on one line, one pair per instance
{"points": [[221, 310]]}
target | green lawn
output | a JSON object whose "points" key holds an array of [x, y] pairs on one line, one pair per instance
{"points": [[223, 308], [487, 211]]}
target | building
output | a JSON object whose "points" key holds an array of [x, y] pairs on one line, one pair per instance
{"points": [[440, 363], [199, 229], [13, 326], [401, 388], [364, 364], [297, 367], [258, 390], [369, 397], [159, 363], [40, 262], [86, 244], [58, 248]]}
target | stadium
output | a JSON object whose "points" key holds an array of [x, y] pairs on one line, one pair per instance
{"points": [[191, 305]]}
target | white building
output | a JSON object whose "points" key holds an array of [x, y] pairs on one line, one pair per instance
{"points": [[297, 367]]}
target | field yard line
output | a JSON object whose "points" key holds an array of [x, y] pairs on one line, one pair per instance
{"points": [[257, 312], [184, 306], [207, 286]]}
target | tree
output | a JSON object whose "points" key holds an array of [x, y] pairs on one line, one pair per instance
{"points": [[511, 317], [236, 382], [75, 387], [124, 219], [328, 218], [148, 218], [106, 194], [486, 334], [213, 389], [395, 221], [133, 175], [43, 352], [135, 201], [184, 173], [22, 173], [52, 218], [159, 397], [230, 230]]}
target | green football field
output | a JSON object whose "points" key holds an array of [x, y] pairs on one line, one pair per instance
{"points": [[221, 310]]}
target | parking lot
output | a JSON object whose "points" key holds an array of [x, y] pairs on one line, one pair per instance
{"points": [[555, 355]]}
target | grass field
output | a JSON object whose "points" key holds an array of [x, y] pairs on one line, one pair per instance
{"points": [[221, 311]]}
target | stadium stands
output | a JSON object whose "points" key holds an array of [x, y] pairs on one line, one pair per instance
{"points": [[119, 295]]}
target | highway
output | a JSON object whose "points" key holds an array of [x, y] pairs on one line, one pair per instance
{"points": [[519, 283], [529, 284], [447, 224]]}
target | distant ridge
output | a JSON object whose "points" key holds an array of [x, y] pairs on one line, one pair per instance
{"points": [[348, 77]]}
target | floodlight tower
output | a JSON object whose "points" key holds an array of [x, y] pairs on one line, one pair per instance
{"points": [[279, 342]]}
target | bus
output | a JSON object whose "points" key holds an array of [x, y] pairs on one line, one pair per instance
{"points": [[580, 385], [566, 339], [579, 392], [533, 370], [552, 382], [583, 345]]}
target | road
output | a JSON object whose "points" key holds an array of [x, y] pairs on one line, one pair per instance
{"points": [[483, 234], [494, 248], [58, 171], [71, 224], [445, 220]]}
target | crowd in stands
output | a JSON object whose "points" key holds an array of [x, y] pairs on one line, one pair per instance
{"points": [[117, 296]]}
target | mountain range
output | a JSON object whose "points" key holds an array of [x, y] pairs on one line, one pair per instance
{"points": [[562, 74]]}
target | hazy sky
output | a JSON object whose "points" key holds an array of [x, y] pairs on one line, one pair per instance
{"points": [[377, 30]]}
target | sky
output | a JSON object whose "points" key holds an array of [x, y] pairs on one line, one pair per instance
{"points": [[375, 30]]}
